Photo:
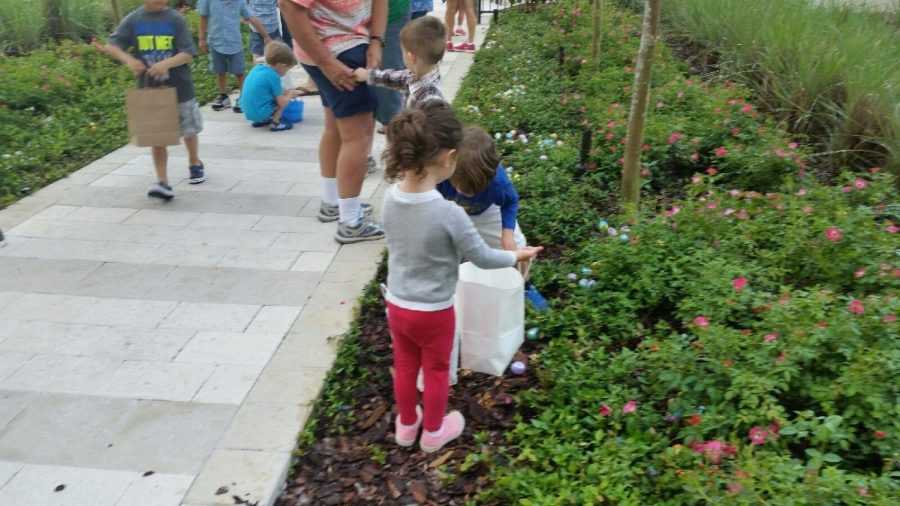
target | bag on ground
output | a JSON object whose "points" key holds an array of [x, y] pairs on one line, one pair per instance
{"points": [[490, 313], [153, 116]]}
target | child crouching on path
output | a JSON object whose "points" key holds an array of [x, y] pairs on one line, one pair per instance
{"points": [[263, 97], [427, 238]]}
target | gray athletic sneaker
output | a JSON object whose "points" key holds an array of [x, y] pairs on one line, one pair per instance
{"points": [[365, 230], [371, 165], [329, 212], [161, 191]]}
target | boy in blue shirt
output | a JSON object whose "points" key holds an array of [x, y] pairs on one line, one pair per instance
{"points": [[263, 97], [481, 186], [223, 40]]}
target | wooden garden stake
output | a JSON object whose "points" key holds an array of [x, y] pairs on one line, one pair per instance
{"points": [[598, 33], [631, 175]]}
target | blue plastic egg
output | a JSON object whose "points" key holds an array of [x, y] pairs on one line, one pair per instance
{"points": [[533, 333], [517, 367]]}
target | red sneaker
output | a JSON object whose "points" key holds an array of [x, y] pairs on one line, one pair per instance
{"points": [[449, 46], [465, 47]]}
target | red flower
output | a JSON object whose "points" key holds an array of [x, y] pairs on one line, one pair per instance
{"points": [[758, 435], [880, 434], [721, 151], [701, 321], [712, 171], [833, 234], [674, 137], [770, 337], [739, 284], [693, 420], [604, 410], [856, 307], [747, 108]]}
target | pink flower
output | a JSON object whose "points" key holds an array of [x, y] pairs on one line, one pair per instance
{"points": [[674, 137], [610, 124], [629, 69], [892, 229], [721, 151], [874, 170], [734, 488], [773, 430], [712, 205], [739, 284], [695, 156], [833, 234], [801, 192], [747, 108], [735, 131], [860, 184], [645, 147], [742, 215], [863, 491], [807, 209], [645, 172], [846, 189], [696, 180], [889, 318], [701, 321], [735, 193], [792, 145], [629, 407], [728, 212], [781, 357], [856, 307], [780, 153], [610, 136], [604, 410], [771, 336], [713, 450], [712, 171], [859, 273]]}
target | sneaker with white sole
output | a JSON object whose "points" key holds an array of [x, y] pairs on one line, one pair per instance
{"points": [[331, 212], [160, 191], [365, 230], [405, 435], [222, 101], [464, 47], [196, 174], [451, 428], [237, 105]]}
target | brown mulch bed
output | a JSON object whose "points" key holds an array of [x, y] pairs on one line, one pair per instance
{"points": [[363, 465]]}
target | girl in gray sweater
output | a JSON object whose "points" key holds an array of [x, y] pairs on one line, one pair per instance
{"points": [[427, 239]]}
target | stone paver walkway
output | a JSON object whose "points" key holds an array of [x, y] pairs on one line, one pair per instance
{"points": [[185, 339]]}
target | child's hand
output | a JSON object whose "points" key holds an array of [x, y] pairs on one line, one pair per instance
{"points": [[98, 46], [528, 252], [508, 240], [361, 75], [137, 66], [158, 69]]}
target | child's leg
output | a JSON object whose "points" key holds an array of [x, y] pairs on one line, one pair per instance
{"points": [[222, 82], [437, 342], [276, 116], [469, 6], [407, 357], [240, 81], [193, 148], [160, 163], [454, 356], [452, 6]]}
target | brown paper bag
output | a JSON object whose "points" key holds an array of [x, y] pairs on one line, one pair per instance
{"points": [[153, 116]]}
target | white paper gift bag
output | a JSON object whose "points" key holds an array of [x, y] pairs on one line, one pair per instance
{"points": [[490, 312]]}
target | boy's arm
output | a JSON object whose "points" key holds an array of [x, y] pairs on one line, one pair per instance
{"points": [[395, 79], [508, 199], [201, 37], [260, 28], [160, 68], [136, 66]]}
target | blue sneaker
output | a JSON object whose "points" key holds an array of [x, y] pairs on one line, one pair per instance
{"points": [[534, 297], [281, 126], [197, 176], [259, 124]]}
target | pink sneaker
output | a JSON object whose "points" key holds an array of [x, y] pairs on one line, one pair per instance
{"points": [[405, 435], [460, 32], [465, 47], [449, 46], [452, 427]]}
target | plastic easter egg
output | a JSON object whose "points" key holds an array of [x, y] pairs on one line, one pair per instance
{"points": [[517, 367], [611, 231], [602, 225], [623, 237], [533, 333], [586, 271], [543, 158], [498, 136], [583, 283], [591, 283], [572, 276]]}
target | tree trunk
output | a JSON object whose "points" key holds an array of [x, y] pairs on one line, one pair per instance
{"points": [[598, 32], [117, 11], [631, 170]]}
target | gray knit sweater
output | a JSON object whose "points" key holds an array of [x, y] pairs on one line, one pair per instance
{"points": [[427, 239]]}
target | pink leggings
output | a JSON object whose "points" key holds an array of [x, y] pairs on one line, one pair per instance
{"points": [[421, 339]]}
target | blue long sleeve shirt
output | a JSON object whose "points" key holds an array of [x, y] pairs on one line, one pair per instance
{"points": [[500, 192]]}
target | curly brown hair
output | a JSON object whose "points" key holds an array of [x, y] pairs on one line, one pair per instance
{"points": [[476, 163], [417, 135]]}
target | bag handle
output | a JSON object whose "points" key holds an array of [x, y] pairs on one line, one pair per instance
{"points": [[145, 80]]}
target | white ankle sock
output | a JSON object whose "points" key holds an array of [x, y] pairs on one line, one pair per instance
{"points": [[329, 191], [350, 211]]}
